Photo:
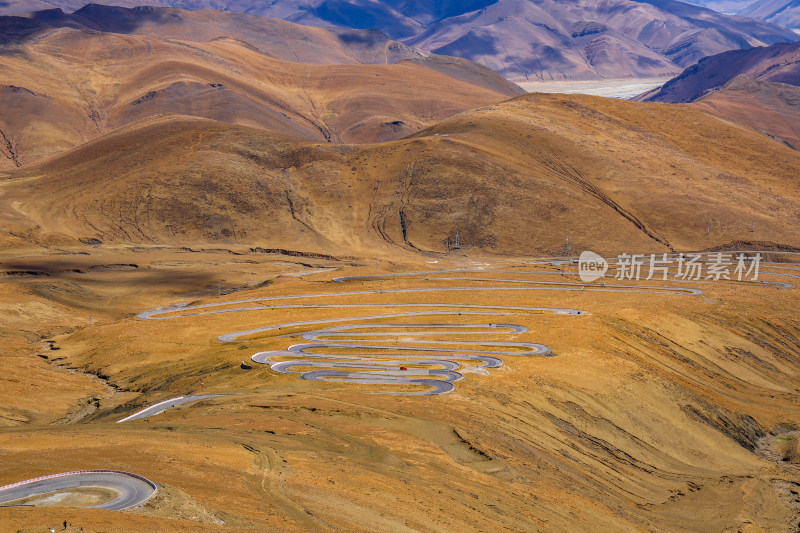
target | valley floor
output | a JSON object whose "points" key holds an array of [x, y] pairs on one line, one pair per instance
{"points": [[609, 88]]}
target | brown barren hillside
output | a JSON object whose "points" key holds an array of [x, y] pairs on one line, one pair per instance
{"points": [[512, 178], [773, 108], [62, 87]]}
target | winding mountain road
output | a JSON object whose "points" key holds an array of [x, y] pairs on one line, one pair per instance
{"points": [[432, 366], [367, 354]]}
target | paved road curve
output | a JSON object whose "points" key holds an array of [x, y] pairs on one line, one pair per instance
{"points": [[160, 407], [133, 489]]}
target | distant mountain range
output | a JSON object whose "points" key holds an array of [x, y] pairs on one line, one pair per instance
{"points": [[759, 87], [723, 6], [779, 63], [784, 13], [521, 39]]}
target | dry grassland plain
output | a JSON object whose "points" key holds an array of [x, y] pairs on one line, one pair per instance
{"points": [[658, 409]]}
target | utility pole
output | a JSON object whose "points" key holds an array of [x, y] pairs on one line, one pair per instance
{"points": [[91, 320], [753, 227], [219, 288]]}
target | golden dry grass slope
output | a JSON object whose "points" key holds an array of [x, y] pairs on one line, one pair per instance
{"points": [[511, 178], [62, 87]]}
